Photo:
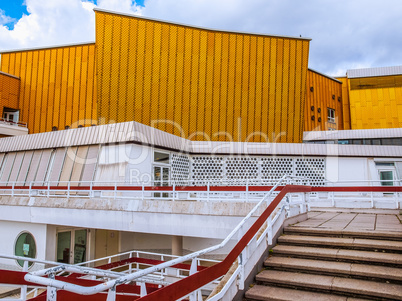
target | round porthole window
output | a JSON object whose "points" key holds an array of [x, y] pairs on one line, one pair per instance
{"points": [[25, 246]]}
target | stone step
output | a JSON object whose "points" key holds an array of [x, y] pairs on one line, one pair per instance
{"points": [[335, 268], [380, 235], [344, 242], [273, 293], [339, 254], [331, 284]]}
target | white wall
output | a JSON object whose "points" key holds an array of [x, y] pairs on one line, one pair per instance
{"points": [[340, 169], [9, 234]]}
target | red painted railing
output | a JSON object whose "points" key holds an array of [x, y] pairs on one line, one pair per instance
{"points": [[191, 283]]}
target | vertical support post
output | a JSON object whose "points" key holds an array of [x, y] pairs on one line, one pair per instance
{"points": [[30, 188], [193, 267], [115, 191], [247, 190], [24, 287], [51, 294], [208, 191], [12, 189], [111, 294], [90, 189], [174, 190], [332, 199], [269, 226], [372, 199], [241, 278], [143, 291], [68, 189], [48, 189]]}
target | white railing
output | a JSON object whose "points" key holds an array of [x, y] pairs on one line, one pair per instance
{"points": [[251, 191], [9, 122], [87, 271], [52, 284]]}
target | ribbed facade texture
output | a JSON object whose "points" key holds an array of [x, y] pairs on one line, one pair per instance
{"points": [[200, 84]]}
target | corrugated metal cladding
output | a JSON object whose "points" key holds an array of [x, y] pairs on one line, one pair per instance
{"points": [[50, 165], [57, 85], [9, 92], [322, 93], [373, 72], [345, 103], [375, 104], [230, 86]]}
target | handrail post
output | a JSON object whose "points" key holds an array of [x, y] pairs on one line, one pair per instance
{"points": [[247, 190], [12, 188], [48, 189], [51, 294], [68, 189], [30, 189], [90, 190], [111, 295], [115, 190], [174, 190], [24, 287], [208, 191]]}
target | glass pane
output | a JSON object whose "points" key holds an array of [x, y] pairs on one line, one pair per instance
{"points": [[161, 157], [25, 246], [63, 246], [157, 176], [80, 246], [386, 176], [165, 176]]}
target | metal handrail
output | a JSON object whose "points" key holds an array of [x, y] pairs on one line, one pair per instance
{"points": [[34, 278]]}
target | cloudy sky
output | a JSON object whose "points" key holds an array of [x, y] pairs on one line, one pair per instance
{"points": [[346, 34]]}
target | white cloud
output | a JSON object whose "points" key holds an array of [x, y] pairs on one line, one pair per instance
{"points": [[346, 34]]}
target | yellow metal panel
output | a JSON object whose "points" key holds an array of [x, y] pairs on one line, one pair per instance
{"points": [[148, 59], [251, 107], [171, 82], [230, 118], [156, 69], [178, 98], [193, 116], [285, 130], [291, 129], [272, 90], [185, 123], [226, 86]]}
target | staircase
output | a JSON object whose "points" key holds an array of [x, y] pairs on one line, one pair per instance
{"points": [[321, 264]]}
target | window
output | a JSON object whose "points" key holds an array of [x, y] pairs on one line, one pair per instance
{"points": [[161, 157], [331, 115], [25, 246], [386, 177], [11, 115]]}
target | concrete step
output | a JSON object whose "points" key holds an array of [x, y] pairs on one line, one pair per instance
{"points": [[342, 242], [334, 268], [339, 254], [380, 235], [273, 293], [330, 284]]}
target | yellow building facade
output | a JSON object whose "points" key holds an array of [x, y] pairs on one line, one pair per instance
{"points": [[197, 83], [323, 109], [9, 92], [375, 101], [200, 84], [58, 85]]}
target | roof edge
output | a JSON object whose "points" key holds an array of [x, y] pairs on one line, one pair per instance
{"points": [[10, 75], [327, 76], [46, 47], [197, 27]]}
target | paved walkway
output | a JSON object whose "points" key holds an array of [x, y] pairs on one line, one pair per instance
{"points": [[353, 220]]}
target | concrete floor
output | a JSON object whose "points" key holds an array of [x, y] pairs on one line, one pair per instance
{"points": [[354, 220]]}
